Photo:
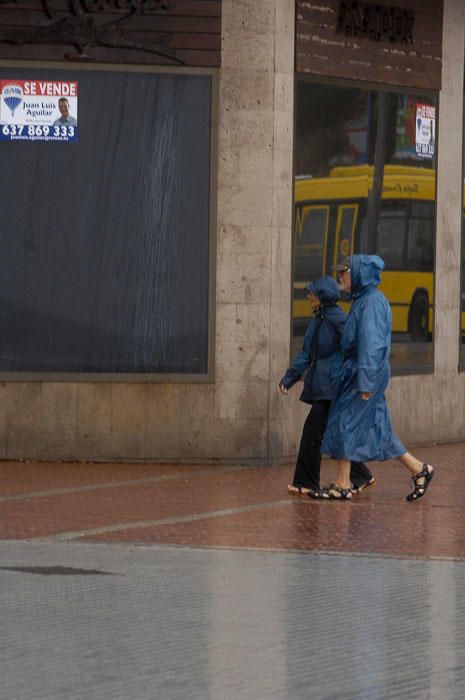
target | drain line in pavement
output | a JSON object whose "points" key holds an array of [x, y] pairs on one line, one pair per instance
{"points": [[142, 524]]}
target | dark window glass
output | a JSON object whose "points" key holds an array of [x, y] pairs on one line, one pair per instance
{"points": [[369, 157], [347, 223], [391, 238], [105, 242], [420, 244], [309, 249]]}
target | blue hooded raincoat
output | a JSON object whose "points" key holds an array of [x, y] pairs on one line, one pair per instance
{"points": [[320, 354], [361, 430]]}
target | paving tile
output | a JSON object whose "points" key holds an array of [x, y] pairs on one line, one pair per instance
{"points": [[234, 506], [25, 477]]}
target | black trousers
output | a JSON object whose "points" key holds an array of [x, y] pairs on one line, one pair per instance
{"points": [[307, 471]]}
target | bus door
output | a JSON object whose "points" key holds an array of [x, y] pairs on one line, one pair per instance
{"points": [[345, 228]]}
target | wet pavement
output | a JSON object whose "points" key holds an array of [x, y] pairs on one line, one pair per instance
{"points": [[167, 581], [163, 623], [235, 506]]}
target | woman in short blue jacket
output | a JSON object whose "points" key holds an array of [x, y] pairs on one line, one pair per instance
{"points": [[321, 358], [359, 425]]}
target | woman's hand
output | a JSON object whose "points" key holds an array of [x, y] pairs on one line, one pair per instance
{"points": [[366, 395], [282, 389]]}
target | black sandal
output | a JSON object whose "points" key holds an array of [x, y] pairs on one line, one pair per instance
{"points": [[419, 490], [362, 487], [344, 494], [318, 494]]}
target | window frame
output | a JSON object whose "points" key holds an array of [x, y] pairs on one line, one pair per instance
{"points": [[461, 333], [149, 377]]}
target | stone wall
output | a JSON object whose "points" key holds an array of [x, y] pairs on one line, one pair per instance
{"points": [[228, 418], [239, 415], [254, 225]]}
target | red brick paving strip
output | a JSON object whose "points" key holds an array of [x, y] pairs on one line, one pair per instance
{"points": [[378, 521], [25, 477], [221, 489]]}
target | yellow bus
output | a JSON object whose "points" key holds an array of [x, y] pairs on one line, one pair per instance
{"points": [[331, 222]]}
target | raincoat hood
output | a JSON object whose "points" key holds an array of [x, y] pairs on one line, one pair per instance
{"points": [[326, 289], [364, 273]]}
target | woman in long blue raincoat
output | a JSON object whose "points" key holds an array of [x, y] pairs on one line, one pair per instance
{"points": [[359, 425]]}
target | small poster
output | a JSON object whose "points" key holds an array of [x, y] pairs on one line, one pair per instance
{"points": [[425, 130], [38, 110]]}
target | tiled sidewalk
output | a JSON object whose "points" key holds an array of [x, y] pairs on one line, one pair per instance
{"points": [[244, 507]]}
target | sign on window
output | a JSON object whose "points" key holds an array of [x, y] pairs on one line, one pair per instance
{"points": [[425, 130], [38, 110]]}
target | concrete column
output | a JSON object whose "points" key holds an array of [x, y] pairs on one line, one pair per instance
{"points": [[281, 439], [448, 391], [254, 221], [449, 192]]}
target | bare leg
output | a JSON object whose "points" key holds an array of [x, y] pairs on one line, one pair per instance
{"points": [[412, 463], [343, 474]]}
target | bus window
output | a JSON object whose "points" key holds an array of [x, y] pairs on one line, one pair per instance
{"points": [[422, 210], [420, 245], [310, 245], [391, 237]]}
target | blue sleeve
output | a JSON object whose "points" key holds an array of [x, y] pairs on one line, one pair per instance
{"points": [[372, 340], [302, 361]]}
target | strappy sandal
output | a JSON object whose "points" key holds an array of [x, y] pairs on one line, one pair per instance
{"points": [[358, 489], [298, 490], [419, 490], [343, 494], [318, 494]]}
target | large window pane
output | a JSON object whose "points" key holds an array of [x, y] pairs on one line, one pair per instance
{"points": [[105, 242], [365, 183]]}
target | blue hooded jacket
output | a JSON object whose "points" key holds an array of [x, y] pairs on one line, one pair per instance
{"points": [[367, 335], [361, 430], [320, 354]]}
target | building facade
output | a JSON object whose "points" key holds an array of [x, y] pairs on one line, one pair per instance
{"points": [[155, 251]]}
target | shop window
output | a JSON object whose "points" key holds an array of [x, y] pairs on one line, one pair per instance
{"points": [[369, 156], [105, 240]]}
